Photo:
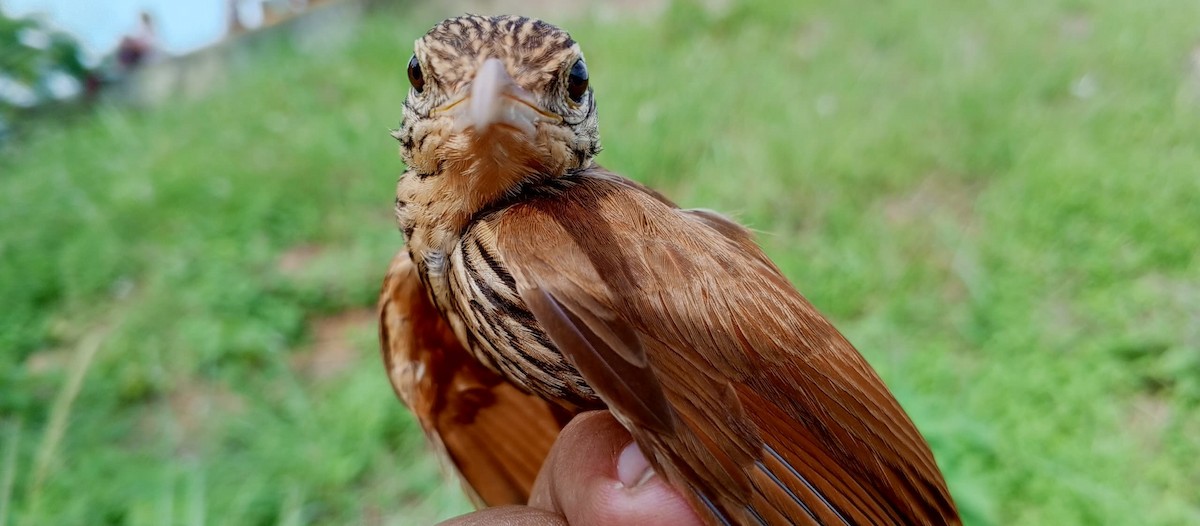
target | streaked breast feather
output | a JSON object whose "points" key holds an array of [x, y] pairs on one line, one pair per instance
{"points": [[506, 334]]}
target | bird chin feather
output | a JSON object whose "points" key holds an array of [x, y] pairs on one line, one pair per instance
{"points": [[487, 165]]}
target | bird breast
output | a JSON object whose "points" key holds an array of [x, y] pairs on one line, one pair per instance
{"points": [[480, 301]]}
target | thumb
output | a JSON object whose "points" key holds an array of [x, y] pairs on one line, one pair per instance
{"points": [[596, 475]]}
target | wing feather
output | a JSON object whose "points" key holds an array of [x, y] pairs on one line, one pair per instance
{"points": [[740, 391], [494, 435], [631, 384]]}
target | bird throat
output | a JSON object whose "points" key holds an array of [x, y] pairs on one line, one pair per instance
{"points": [[471, 173], [483, 168]]}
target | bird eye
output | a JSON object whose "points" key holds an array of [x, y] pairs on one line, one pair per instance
{"points": [[414, 74], [577, 81]]}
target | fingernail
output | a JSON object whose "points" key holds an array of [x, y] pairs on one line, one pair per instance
{"points": [[632, 467]]}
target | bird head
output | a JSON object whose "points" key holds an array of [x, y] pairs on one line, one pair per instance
{"points": [[494, 101]]}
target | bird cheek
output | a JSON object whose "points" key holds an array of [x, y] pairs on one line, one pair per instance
{"points": [[556, 147], [432, 140]]}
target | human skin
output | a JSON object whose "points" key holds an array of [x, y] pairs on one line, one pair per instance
{"points": [[595, 475]]}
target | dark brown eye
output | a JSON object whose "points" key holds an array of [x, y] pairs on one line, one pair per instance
{"points": [[577, 81], [416, 78]]}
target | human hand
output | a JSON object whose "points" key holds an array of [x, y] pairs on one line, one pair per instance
{"points": [[594, 476]]}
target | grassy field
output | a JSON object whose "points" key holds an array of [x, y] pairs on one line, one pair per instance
{"points": [[999, 203]]}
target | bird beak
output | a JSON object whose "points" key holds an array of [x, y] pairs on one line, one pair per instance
{"points": [[497, 100]]}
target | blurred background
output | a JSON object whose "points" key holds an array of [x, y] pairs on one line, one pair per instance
{"points": [[997, 202]]}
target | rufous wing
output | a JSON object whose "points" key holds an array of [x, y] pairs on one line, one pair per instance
{"points": [[740, 392], [495, 436]]}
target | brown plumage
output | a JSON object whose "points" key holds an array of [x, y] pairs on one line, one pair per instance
{"points": [[532, 275]]}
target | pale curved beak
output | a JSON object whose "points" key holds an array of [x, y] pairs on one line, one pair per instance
{"points": [[496, 99]]}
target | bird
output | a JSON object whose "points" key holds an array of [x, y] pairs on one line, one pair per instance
{"points": [[534, 284]]}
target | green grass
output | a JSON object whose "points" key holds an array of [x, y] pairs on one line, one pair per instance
{"points": [[999, 203]]}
